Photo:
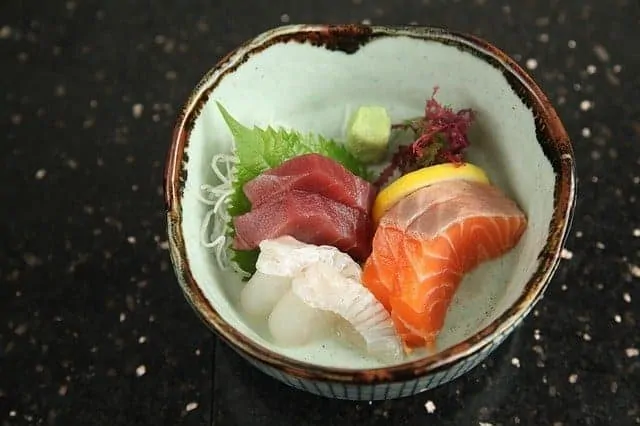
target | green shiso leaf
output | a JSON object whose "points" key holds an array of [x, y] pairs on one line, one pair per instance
{"points": [[258, 150]]}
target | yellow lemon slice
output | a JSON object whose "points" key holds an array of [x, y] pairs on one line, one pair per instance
{"points": [[413, 181]]}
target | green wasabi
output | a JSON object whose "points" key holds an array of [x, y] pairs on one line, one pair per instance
{"points": [[368, 134]]}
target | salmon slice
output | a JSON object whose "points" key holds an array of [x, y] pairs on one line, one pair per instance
{"points": [[425, 245]]}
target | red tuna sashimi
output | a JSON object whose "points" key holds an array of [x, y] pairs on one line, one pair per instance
{"points": [[310, 218], [312, 173]]}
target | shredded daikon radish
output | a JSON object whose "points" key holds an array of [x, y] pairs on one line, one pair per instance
{"points": [[215, 226]]}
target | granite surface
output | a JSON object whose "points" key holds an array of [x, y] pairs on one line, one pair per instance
{"points": [[93, 327]]}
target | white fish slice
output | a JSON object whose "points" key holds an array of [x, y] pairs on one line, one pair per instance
{"points": [[323, 287], [286, 257]]}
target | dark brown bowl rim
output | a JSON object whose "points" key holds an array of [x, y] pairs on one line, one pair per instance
{"points": [[550, 134]]}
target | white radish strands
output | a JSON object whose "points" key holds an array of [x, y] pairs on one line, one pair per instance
{"points": [[215, 224]]}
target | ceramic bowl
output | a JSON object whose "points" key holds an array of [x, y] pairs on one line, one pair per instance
{"points": [[309, 78]]}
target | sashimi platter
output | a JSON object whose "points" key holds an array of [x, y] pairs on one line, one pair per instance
{"points": [[365, 239]]}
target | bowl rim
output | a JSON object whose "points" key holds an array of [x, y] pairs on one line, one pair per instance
{"points": [[551, 135]]}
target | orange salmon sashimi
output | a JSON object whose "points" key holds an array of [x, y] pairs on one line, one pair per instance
{"points": [[427, 242]]}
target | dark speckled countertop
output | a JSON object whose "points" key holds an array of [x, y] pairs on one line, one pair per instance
{"points": [[93, 327]]}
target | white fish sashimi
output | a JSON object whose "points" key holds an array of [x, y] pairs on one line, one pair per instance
{"points": [[304, 288], [262, 292], [294, 323], [323, 287], [286, 256]]}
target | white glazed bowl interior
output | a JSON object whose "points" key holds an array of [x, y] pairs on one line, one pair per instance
{"points": [[311, 88]]}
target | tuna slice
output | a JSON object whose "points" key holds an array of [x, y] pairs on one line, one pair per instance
{"points": [[425, 244], [312, 173], [310, 218]]}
